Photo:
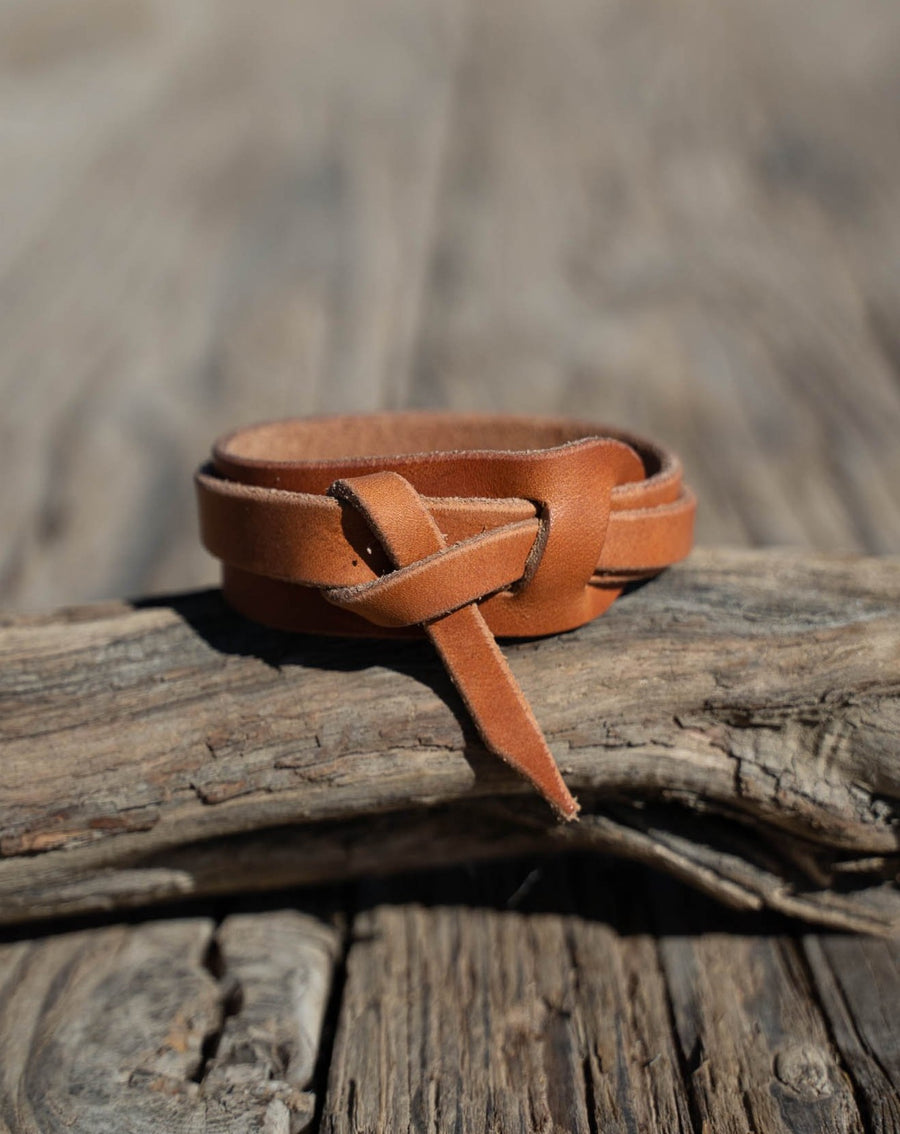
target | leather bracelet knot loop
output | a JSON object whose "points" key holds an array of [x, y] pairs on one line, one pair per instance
{"points": [[420, 590], [390, 524]]}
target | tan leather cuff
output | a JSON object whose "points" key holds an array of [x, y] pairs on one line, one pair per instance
{"points": [[462, 527]]}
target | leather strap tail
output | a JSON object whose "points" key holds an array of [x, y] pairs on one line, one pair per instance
{"points": [[404, 526]]}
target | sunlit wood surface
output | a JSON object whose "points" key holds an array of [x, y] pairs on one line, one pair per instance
{"points": [[680, 216]]}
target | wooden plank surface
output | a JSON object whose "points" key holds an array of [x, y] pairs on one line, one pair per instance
{"points": [[536, 995], [585, 1000], [215, 214], [856, 982], [679, 215], [545, 1022]]}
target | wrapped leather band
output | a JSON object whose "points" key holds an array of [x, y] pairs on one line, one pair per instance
{"points": [[461, 527]]}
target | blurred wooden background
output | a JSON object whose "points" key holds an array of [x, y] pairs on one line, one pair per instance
{"points": [[680, 216]]}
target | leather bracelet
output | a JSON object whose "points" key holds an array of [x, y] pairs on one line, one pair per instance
{"points": [[461, 527]]}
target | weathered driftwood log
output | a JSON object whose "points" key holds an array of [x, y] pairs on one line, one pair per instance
{"points": [[736, 722]]}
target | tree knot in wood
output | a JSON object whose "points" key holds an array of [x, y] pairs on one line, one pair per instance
{"points": [[806, 1070]]}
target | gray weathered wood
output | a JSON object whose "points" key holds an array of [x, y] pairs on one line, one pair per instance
{"points": [[167, 1026], [517, 1023], [686, 216], [677, 215], [758, 691], [555, 998], [278, 967], [232, 217], [857, 981], [754, 1041], [598, 1006]]}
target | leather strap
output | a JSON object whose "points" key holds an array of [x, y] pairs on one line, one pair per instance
{"points": [[462, 527]]}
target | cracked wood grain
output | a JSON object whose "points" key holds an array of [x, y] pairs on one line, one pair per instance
{"points": [[503, 1020], [535, 995], [586, 1001], [170, 1025], [856, 982], [735, 721], [755, 1043]]}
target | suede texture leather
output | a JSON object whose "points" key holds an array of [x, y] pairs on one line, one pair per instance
{"points": [[461, 527]]}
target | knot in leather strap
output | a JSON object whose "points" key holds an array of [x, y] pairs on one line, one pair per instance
{"points": [[430, 579], [532, 530]]}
